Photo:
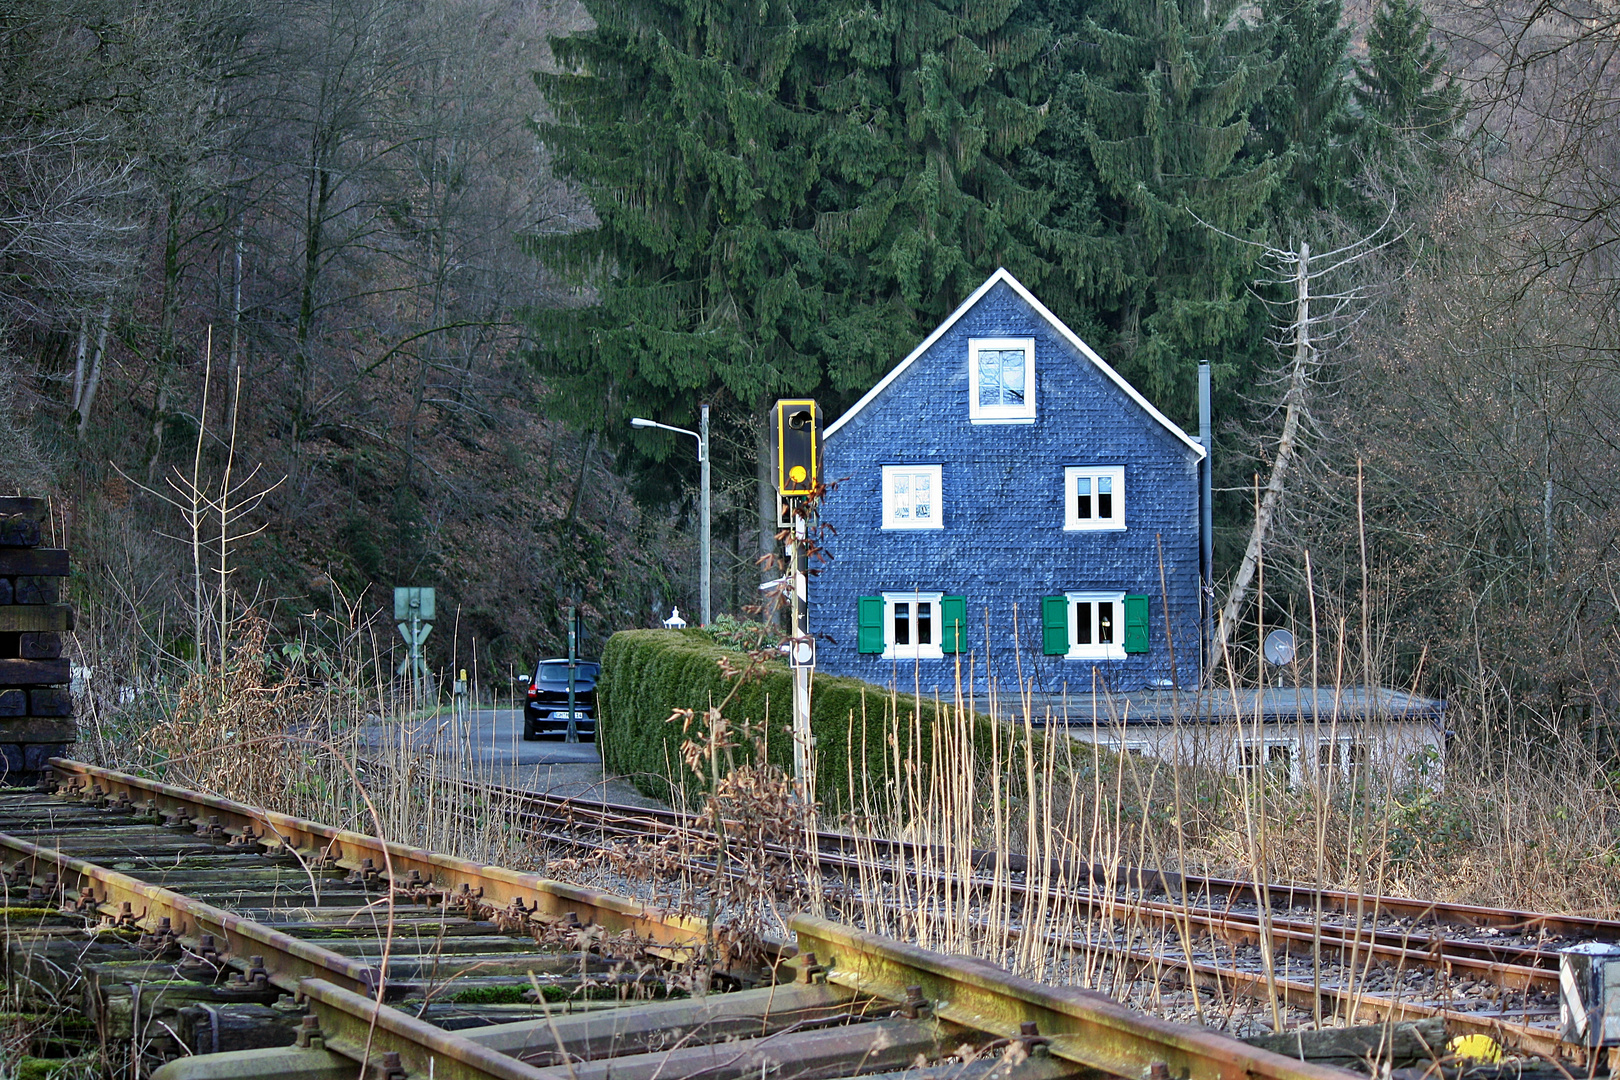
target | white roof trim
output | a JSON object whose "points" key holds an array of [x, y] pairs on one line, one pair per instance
{"points": [[1040, 309]]}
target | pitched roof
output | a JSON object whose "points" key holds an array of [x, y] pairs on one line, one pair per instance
{"points": [[1057, 324]]}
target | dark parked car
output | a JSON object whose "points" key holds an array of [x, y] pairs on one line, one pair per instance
{"points": [[545, 713]]}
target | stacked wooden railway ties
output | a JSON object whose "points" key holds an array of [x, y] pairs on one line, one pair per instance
{"points": [[36, 709], [235, 942]]}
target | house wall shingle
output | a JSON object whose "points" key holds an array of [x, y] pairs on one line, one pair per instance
{"points": [[1003, 544]]}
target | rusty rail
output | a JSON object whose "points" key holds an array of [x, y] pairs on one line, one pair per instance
{"points": [[343, 997], [316, 843], [1406, 949], [1510, 966], [805, 1031], [1077, 1025], [895, 1000]]}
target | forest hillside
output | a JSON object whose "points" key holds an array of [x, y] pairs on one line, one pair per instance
{"points": [[396, 275]]}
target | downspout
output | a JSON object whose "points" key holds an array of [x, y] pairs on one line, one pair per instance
{"points": [[1206, 515]]}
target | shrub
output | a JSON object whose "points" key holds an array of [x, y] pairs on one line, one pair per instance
{"points": [[649, 674], [730, 632]]}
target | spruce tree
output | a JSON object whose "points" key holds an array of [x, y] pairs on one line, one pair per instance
{"points": [[924, 105], [789, 194], [1402, 88], [1306, 118], [1151, 153], [681, 122]]}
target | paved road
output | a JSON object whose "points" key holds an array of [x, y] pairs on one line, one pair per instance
{"points": [[495, 740]]}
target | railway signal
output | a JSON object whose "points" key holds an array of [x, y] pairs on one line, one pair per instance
{"points": [[796, 445]]}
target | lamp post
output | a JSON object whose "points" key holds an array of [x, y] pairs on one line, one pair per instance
{"points": [[702, 437]]}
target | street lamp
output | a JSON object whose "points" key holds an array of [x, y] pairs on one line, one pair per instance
{"points": [[702, 437]]}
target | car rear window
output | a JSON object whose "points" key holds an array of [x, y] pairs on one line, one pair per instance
{"points": [[557, 671]]}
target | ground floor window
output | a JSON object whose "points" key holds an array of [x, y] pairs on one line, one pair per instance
{"points": [[912, 625], [1334, 758], [1094, 625], [1276, 758]]}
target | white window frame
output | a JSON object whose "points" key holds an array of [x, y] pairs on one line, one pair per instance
{"points": [[1261, 758], [1114, 650], [1001, 414], [913, 651], [935, 473], [1072, 522]]}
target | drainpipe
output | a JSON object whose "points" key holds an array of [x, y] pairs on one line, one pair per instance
{"points": [[1206, 512]]}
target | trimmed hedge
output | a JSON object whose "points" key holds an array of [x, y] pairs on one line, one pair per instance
{"points": [[648, 674]]}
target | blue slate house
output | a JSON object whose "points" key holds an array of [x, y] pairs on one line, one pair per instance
{"points": [[1004, 465]]}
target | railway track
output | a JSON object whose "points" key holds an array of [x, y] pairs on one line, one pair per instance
{"points": [[1488, 971], [189, 924]]}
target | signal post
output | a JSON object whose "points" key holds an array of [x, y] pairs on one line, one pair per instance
{"points": [[796, 446]]}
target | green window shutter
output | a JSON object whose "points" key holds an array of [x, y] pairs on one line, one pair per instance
{"points": [[1055, 625], [1136, 624], [953, 611], [870, 639]]}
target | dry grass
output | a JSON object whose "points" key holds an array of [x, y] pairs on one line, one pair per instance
{"points": [[1533, 834], [318, 728]]}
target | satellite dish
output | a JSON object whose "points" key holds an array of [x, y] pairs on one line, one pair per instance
{"points": [[1279, 648]]}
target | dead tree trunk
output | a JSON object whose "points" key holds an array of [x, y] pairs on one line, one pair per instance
{"points": [[86, 397], [1314, 316], [1294, 400]]}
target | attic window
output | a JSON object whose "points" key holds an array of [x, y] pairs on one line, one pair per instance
{"points": [[1001, 374]]}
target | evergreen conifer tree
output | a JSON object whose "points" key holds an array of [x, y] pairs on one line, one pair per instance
{"points": [[1403, 88], [682, 122], [924, 105], [1306, 119], [1150, 153], [789, 194]]}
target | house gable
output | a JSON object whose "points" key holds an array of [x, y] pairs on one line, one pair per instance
{"points": [[1003, 277]]}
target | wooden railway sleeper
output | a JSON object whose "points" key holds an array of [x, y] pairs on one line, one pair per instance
{"points": [[214, 1027]]}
